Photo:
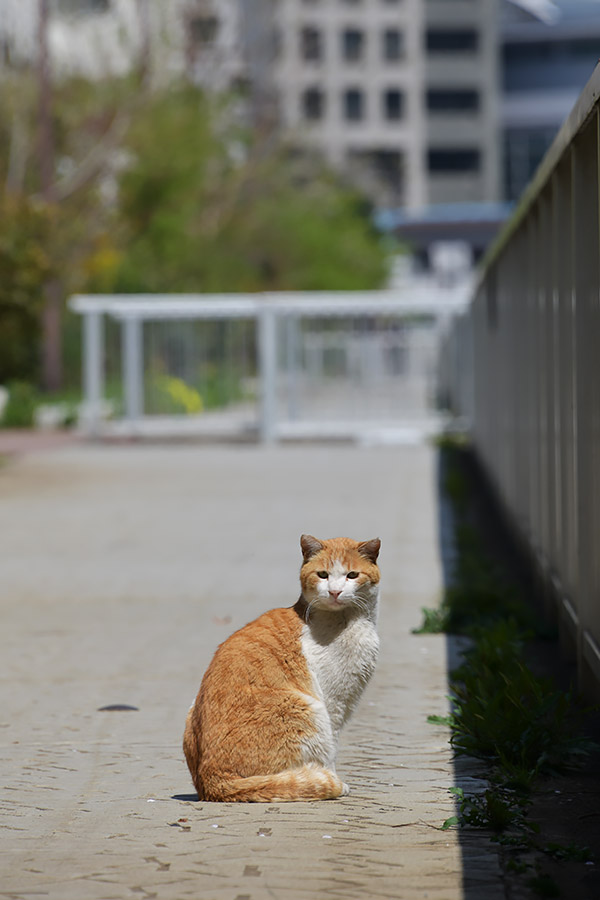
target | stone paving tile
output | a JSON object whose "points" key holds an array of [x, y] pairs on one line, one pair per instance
{"points": [[121, 569]]}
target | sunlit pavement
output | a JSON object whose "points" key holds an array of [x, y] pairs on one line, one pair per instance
{"points": [[121, 569]]}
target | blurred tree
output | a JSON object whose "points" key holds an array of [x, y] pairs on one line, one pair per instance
{"points": [[51, 228], [25, 266], [160, 190], [204, 212]]}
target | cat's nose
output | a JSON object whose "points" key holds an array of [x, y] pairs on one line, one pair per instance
{"points": [[334, 594]]}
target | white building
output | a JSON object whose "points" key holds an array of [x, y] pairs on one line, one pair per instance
{"points": [[17, 31], [350, 81], [95, 38], [400, 93]]}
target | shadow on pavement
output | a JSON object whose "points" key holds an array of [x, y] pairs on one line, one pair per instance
{"points": [[469, 774]]}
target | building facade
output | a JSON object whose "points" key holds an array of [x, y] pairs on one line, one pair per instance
{"points": [[461, 101], [402, 94], [98, 38], [549, 51], [349, 76]]}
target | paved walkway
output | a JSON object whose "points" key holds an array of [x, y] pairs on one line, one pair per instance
{"points": [[30, 440], [121, 570]]}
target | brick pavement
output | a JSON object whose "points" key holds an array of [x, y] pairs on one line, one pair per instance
{"points": [[121, 568]]}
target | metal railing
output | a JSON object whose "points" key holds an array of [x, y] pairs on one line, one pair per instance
{"points": [[270, 366], [531, 337]]}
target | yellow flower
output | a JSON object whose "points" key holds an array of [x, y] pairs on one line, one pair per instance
{"points": [[182, 394]]}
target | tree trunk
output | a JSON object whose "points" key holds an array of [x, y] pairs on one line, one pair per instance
{"points": [[52, 336], [52, 314]]}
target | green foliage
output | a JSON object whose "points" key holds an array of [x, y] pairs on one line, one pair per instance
{"points": [[479, 595], [504, 713], [500, 710], [435, 621], [41, 242], [196, 218], [448, 721], [567, 852], [544, 885], [495, 809], [20, 407], [179, 201], [25, 266]]}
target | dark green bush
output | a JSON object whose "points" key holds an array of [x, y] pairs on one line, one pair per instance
{"points": [[20, 408]]}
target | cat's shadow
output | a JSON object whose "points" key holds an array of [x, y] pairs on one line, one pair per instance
{"points": [[185, 797]]}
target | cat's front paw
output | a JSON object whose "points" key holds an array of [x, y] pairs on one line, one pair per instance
{"points": [[345, 790]]}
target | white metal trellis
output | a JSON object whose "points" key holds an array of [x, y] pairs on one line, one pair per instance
{"points": [[277, 334]]}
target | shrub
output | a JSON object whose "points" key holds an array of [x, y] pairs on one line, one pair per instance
{"points": [[21, 405]]}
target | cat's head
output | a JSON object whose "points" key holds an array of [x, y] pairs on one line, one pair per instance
{"points": [[339, 572]]}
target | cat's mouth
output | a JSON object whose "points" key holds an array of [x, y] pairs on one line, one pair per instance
{"points": [[335, 603]]}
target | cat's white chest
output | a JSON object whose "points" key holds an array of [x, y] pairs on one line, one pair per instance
{"points": [[341, 663]]}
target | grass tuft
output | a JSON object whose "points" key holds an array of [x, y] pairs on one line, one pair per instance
{"points": [[501, 711]]}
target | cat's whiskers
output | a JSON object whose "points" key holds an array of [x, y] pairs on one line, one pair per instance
{"points": [[360, 603]]}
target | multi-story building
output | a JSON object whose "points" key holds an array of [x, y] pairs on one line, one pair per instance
{"points": [[549, 51], [400, 93], [349, 76], [109, 37], [461, 100]]}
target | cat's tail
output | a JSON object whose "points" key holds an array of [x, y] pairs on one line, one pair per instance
{"points": [[310, 782]]}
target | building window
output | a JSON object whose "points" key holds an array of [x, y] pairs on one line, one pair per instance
{"points": [[454, 160], [311, 44], [442, 100], [354, 105], [353, 44], [393, 104], [72, 7], [203, 29], [524, 149], [313, 104], [392, 42], [276, 42], [452, 40]]}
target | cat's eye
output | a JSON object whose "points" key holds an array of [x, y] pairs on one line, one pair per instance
{"points": [[352, 575], [323, 574]]}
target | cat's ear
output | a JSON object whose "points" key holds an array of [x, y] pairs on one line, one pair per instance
{"points": [[370, 549], [310, 545]]}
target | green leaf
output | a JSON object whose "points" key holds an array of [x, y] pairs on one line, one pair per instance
{"points": [[441, 720]]}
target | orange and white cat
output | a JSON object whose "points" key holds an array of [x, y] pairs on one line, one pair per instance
{"points": [[266, 721]]}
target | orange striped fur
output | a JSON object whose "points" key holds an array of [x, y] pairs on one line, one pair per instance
{"points": [[261, 718]]}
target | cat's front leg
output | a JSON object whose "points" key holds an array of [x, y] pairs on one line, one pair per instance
{"points": [[321, 744]]}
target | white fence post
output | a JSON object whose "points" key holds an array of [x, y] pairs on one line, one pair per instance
{"points": [[306, 355], [93, 374], [292, 350], [133, 367], [267, 351]]}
